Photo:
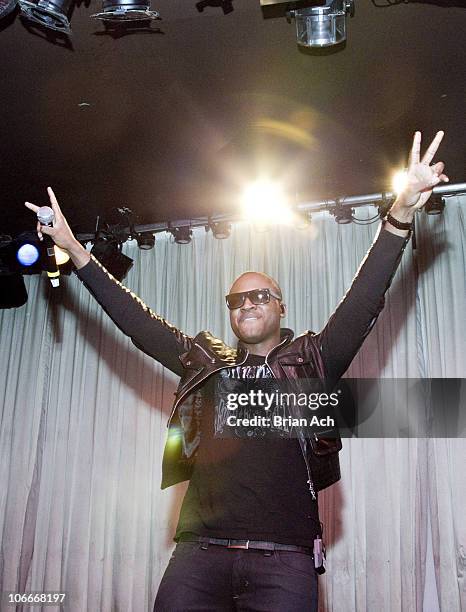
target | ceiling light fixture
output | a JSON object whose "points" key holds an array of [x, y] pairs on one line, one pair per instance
{"points": [[435, 205], [126, 10], [145, 241], [220, 229], [322, 26], [302, 219], [107, 249], [343, 214], [52, 14], [182, 235], [264, 202]]}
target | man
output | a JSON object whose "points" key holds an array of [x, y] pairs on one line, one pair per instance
{"points": [[249, 520]]}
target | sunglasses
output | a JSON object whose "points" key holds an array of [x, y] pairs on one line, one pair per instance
{"points": [[256, 296]]}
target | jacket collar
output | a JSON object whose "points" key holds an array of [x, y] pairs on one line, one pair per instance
{"points": [[217, 350]]}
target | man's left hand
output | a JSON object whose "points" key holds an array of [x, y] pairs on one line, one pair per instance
{"points": [[421, 176]]}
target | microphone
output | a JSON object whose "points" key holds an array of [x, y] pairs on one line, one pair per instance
{"points": [[45, 216]]}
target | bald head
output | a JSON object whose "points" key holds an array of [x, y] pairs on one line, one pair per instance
{"points": [[255, 280]]}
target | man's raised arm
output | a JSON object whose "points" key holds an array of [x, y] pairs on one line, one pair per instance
{"points": [[148, 331], [356, 314]]}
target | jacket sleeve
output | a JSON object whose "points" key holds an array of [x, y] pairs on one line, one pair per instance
{"points": [[357, 312], [148, 331]]}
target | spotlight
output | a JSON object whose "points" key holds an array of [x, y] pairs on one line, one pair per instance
{"points": [[27, 254], [182, 235], [435, 205], [28, 249], [302, 219], [343, 214], [107, 249], [399, 181], [145, 241], [226, 5], [126, 10], [264, 202], [51, 14], [220, 229], [322, 26]]}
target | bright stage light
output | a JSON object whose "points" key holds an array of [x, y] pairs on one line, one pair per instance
{"points": [[126, 10], [61, 256], [27, 254], [265, 202], [322, 26], [51, 14], [399, 181]]}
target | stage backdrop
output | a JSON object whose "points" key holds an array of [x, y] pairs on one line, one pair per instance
{"points": [[83, 421]]}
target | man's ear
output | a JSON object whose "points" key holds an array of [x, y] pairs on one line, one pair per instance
{"points": [[282, 309]]}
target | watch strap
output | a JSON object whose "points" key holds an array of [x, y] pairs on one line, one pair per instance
{"points": [[398, 224]]}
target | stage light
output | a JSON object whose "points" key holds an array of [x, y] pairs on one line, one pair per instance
{"points": [[322, 26], [220, 229], [343, 214], [302, 219], [27, 254], [145, 241], [107, 249], [182, 235], [264, 202], [435, 205], [126, 10], [399, 181], [61, 256], [51, 14]]}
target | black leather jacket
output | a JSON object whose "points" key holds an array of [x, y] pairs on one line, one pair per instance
{"points": [[324, 356], [292, 359]]}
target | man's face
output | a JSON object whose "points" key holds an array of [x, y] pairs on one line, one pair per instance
{"points": [[254, 324]]}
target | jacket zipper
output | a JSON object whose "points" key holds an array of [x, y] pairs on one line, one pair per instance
{"points": [[185, 394], [309, 481]]}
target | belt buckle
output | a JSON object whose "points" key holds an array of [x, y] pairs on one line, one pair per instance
{"points": [[244, 546]]}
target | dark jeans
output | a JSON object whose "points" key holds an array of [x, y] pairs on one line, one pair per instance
{"points": [[217, 578]]}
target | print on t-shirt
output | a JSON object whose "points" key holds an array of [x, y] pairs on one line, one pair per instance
{"points": [[243, 379]]}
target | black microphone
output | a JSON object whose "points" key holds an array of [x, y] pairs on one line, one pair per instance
{"points": [[45, 216]]}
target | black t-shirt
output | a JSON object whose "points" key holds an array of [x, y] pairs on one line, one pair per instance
{"points": [[247, 487]]}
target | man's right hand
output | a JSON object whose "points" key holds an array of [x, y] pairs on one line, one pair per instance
{"points": [[61, 233]]}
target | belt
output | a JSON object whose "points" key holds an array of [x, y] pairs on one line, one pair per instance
{"points": [[246, 544]]}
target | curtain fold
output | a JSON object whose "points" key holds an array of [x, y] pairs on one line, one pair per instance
{"points": [[83, 420]]}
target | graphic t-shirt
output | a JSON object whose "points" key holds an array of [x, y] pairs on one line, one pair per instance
{"points": [[248, 486]]}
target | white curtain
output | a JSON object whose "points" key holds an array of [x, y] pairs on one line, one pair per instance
{"points": [[83, 422]]}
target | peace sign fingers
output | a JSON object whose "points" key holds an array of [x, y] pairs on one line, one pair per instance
{"points": [[415, 153], [432, 150]]}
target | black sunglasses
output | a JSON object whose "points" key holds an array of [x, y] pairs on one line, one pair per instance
{"points": [[256, 296]]}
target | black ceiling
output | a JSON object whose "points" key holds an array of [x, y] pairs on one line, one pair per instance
{"points": [[172, 122]]}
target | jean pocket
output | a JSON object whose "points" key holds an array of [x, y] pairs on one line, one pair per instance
{"points": [[184, 550], [296, 562]]}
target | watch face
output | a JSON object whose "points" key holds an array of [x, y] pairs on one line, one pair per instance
{"points": [[6, 6]]}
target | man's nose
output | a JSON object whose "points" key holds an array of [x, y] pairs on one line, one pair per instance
{"points": [[247, 304]]}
